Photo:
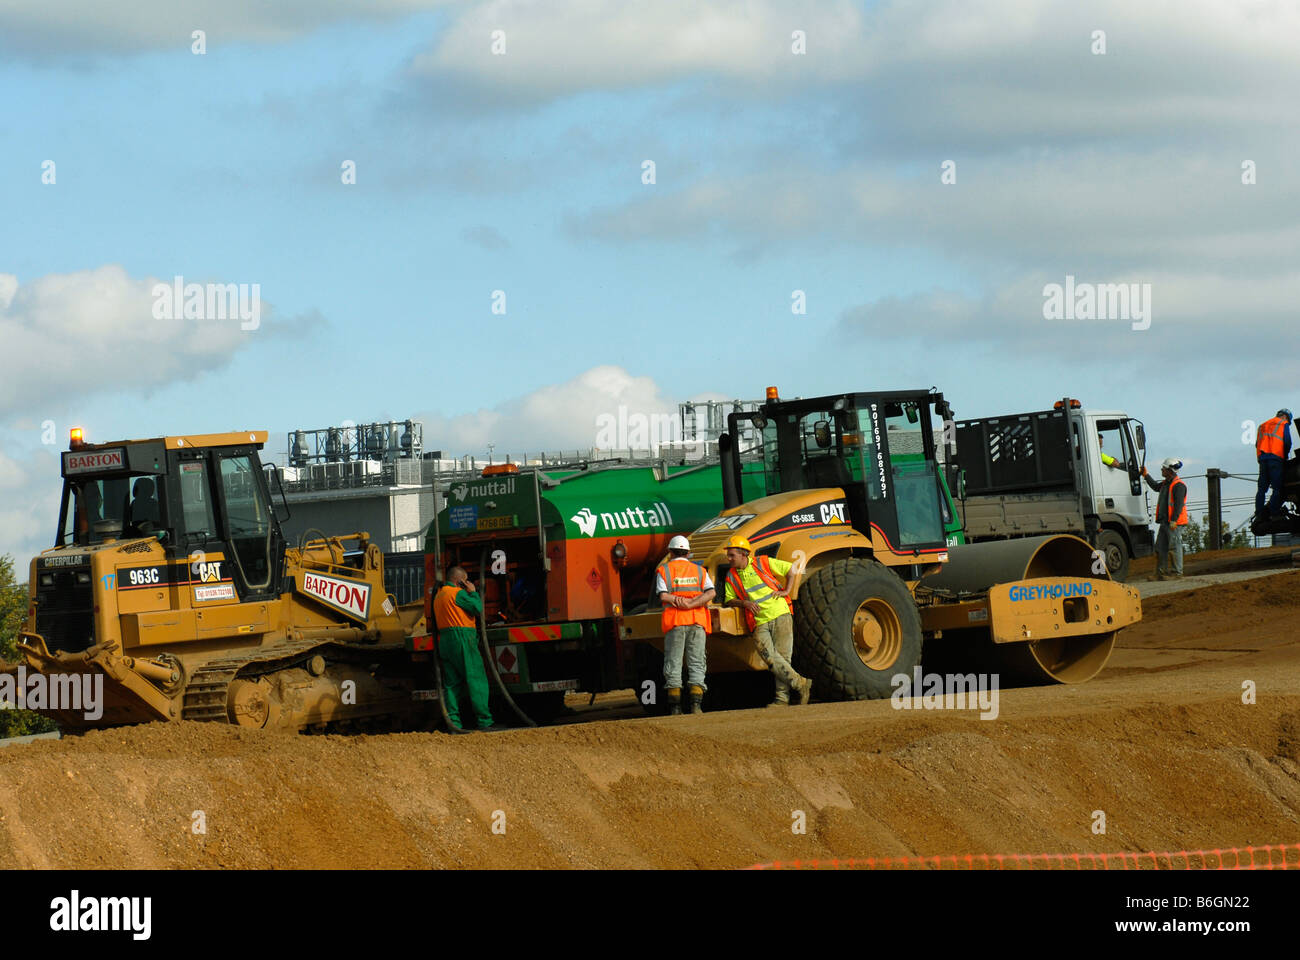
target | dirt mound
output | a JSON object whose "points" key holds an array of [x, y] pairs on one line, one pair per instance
{"points": [[1161, 742]]}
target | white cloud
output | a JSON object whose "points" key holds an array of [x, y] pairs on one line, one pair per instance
{"points": [[558, 48], [93, 331], [943, 71], [1142, 209], [93, 26], [558, 417], [1192, 316], [963, 70], [29, 504]]}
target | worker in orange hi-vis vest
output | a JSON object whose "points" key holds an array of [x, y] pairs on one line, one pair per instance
{"points": [[754, 583], [1171, 514], [1272, 447], [685, 589]]}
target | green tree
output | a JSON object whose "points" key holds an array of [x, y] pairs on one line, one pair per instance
{"points": [[1194, 536], [13, 608]]}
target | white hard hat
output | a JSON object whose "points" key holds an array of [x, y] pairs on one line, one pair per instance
{"points": [[679, 543], [1171, 463]]}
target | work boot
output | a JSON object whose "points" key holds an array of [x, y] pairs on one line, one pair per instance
{"points": [[804, 691], [778, 703], [674, 695], [696, 695]]}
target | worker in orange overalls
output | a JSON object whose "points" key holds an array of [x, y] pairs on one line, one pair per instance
{"points": [[1272, 447], [685, 589], [455, 607]]}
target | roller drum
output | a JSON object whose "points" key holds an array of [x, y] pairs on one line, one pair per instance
{"points": [[973, 568]]}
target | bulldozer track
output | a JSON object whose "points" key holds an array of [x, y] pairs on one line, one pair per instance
{"points": [[207, 692]]}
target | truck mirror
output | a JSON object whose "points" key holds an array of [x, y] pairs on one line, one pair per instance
{"points": [[1141, 437], [822, 433]]}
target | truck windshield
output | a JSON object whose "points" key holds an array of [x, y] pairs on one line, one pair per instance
{"points": [[111, 508]]}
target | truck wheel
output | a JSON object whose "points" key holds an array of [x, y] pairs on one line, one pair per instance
{"points": [[855, 627], [1113, 547]]}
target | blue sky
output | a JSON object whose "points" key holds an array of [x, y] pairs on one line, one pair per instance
{"points": [[523, 173]]}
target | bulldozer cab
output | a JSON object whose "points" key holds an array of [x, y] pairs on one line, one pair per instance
{"points": [[877, 447], [198, 497]]}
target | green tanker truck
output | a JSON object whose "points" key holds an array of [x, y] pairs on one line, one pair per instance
{"points": [[555, 591]]}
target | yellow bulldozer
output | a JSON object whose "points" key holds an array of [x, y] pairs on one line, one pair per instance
{"points": [[856, 501], [170, 579]]}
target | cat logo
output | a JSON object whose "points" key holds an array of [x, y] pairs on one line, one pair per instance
{"points": [[209, 572], [832, 512]]}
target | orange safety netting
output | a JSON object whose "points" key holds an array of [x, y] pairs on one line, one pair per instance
{"points": [[1270, 856]]}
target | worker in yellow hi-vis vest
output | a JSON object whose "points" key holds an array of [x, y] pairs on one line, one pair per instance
{"points": [[455, 608], [753, 583]]}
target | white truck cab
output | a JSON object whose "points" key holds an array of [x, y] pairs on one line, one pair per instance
{"points": [[1030, 474]]}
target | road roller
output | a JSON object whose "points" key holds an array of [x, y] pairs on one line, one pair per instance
{"points": [[854, 500]]}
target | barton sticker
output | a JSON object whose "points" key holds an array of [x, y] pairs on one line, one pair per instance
{"points": [[347, 596], [93, 461]]}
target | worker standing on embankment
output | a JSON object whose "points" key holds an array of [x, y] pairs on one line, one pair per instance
{"points": [[1272, 447], [768, 614], [685, 589], [1171, 514], [455, 608]]}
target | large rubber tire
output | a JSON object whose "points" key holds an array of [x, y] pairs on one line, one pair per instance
{"points": [[1115, 550], [856, 626]]}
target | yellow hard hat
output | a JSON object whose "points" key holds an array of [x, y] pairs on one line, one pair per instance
{"points": [[740, 543]]}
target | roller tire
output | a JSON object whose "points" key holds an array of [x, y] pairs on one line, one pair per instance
{"points": [[824, 647]]}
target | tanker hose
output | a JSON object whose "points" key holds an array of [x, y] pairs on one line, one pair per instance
{"points": [[487, 648], [437, 677]]}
